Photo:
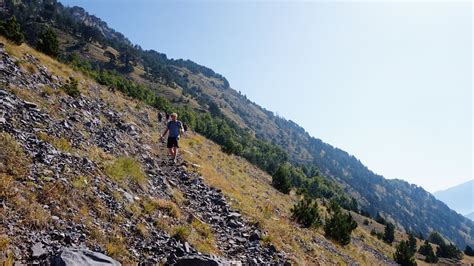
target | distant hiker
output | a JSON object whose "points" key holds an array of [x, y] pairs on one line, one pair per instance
{"points": [[174, 127], [185, 128], [167, 117], [160, 117]]}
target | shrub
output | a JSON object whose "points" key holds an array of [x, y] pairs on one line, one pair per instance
{"points": [[12, 31], [404, 255], [306, 212], [340, 225], [13, 159], [71, 87], [366, 222]]}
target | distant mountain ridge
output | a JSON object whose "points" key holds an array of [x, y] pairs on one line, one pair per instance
{"points": [[470, 216], [459, 198], [409, 206]]}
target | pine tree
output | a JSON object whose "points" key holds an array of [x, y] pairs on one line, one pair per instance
{"points": [[427, 250], [12, 30], [281, 179], [306, 212], [404, 255], [48, 43], [436, 238], [389, 234], [412, 242], [449, 251], [340, 226]]}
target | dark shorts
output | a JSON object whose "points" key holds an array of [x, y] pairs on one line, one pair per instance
{"points": [[172, 142]]}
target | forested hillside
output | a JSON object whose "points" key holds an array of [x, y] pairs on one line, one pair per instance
{"points": [[241, 127]]}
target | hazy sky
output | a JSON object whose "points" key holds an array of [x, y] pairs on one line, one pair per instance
{"points": [[389, 82]]}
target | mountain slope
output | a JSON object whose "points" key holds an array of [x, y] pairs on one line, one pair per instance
{"points": [[90, 171], [189, 84], [459, 198]]}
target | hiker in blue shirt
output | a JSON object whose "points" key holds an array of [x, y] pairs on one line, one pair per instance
{"points": [[175, 128]]}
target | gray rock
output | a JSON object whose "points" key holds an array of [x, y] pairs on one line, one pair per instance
{"points": [[37, 250], [82, 257]]}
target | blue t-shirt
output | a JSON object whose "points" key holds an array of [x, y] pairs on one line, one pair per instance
{"points": [[174, 128]]}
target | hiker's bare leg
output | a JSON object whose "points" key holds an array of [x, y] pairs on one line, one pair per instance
{"points": [[170, 151]]}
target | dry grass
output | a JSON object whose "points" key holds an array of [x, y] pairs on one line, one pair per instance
{"points": [[249, 190], [4, 241], [80, 183], [117, 248], [7, 187], [169, 208], [57, 68], [181, 232], [134, 209], [61, 143], [13, 159], [143, 230], [202, 237]]}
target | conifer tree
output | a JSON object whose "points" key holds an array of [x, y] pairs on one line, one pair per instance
{"points": [[12, 30]]}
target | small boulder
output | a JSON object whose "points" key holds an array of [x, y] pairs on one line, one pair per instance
{"points": [[37, 250], [82, 257]]}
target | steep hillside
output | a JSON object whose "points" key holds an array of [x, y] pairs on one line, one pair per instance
{"points": [[459, 198], [91, 171], [188, 84]]}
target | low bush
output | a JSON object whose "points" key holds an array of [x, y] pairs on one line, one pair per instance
{"points": [[71, 87]]}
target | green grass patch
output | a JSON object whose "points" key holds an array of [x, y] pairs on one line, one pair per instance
{"points": [[124, 169]]}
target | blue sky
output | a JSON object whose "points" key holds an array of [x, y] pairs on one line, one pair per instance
{"points": [[389, 82]]}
